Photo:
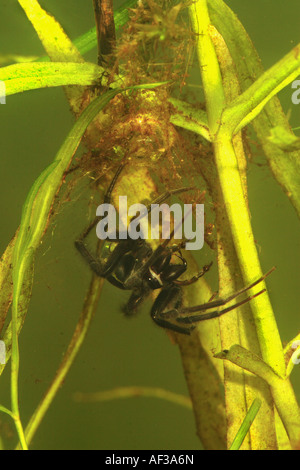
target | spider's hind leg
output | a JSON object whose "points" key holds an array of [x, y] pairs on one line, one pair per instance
{"points": [[185, 317], [222, 302], [167, 318], [167, 309]]}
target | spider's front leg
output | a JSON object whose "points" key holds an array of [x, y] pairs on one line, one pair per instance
{"points": [[135, 300], [94, 263], [188, 282], [100, 268]]}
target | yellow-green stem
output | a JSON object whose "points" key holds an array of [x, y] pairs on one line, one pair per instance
{"points": [[245, 247], [210, 70], [237, 213]]}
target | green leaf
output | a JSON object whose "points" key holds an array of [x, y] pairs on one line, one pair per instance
{"points": [[60, 48], [30, 76], [57, 44], [189, 118], [6, 282], [284, 166], [249, 361], [244, 429], [283, 139], [88, 41], [251, 102]]}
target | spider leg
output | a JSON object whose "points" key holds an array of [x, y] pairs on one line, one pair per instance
{"points": [[160, 249], [162, 317], [163, 197], [160, 199], [107, 198], [135, 300], [221, 302], [214, 314], [102, 269], [167, 309], [84, 235], [187, 282], [157, 253], [178, 247]]}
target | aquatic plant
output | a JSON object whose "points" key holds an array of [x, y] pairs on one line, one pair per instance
{"points": [[136, 106]]}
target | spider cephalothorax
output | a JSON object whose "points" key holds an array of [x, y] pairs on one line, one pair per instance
{"points": [[134, 265]]}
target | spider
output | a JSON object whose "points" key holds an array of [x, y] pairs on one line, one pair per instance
{"points": [[134, 265]]}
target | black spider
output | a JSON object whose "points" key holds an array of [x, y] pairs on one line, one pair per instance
{"points": [[134, 265]]}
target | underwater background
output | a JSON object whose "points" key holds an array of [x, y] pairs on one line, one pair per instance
{"points": [[120, 351]]}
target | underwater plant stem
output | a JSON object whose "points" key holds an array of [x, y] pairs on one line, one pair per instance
{"points": [[288, 409], [236, 209], [241, 388], [285, 166], [281, 389], [18, 271], [266, 327], [134, 392], [20, 432], [210, 70], [205, 392], [244, 243], [15, 362], [215, 103]]}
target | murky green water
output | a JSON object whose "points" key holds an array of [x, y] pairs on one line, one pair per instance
{"points": [[120, 352]]}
